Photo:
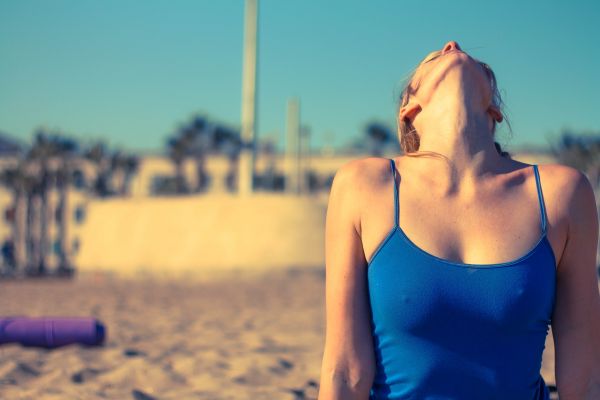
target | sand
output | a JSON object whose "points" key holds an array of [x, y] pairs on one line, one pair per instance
{"points": [[238, 336], [244, 337]]}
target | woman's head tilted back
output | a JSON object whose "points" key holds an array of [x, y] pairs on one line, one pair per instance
{"points": [[426, 86]]}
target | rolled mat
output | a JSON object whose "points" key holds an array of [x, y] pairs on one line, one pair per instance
{"points": [[51, 331]]}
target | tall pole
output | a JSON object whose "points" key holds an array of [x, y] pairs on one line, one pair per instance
{"points": [[304, 159], [248, 131], [292, 180]]}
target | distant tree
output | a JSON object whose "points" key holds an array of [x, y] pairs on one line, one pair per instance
{"points": [[99, 154], [378, 135], [226, 141], [202, 145], [52, 154], [42, 150], [177, 150], [17, 180], [192, 140], [198, 139], [67, 150], [50, 163], [269, 179], [126, 165], [581, 151], [163, 185], [108, 163]]}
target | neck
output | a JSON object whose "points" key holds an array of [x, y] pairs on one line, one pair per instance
{"points": [[457, 126]]}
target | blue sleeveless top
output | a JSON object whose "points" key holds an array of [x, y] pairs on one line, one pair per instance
{"points": [[448, 330]]}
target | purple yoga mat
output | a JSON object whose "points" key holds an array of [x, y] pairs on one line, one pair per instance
{"points": [[51, 331]]}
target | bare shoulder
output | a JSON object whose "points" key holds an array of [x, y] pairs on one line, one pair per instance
{"points": [[355, 181], [364, 167], [572, 205], [571, 189], [359, 174], [562, 174]]}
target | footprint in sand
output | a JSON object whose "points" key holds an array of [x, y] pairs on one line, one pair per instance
{"points": [[309, 391], [298, 393], [282, 367], [139, 395], [223, 365], [19, 373], [85, 374], [133, 353]]}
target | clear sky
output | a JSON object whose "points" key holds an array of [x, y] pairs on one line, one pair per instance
{"points": [[132, 71]]}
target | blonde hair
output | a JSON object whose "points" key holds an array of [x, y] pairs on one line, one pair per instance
{"points": [[409, 137]]}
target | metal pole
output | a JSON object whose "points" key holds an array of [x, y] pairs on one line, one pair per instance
{"points": [[304, 158], [248, 128], [292, 183]]}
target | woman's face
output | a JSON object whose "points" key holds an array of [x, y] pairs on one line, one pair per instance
{"points": [[436, 69]]}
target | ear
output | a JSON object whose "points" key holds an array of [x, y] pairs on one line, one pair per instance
{"points": [[495, 113], [409, 111]]}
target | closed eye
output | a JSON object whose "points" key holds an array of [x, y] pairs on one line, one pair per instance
{"points": [[432, 58]]}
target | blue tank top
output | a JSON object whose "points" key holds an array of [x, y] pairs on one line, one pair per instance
{"points": [[448, 330]]}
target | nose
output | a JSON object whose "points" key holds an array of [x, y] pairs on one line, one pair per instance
{"points": [[451, 45]]}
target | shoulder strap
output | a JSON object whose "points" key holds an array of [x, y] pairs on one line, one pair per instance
{"points": [[393, 167], [540, 197]]}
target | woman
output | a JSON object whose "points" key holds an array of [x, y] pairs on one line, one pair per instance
{"points": [[446, 266]]}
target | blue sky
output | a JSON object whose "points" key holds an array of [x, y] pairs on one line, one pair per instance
{"points": [[132, 71]]}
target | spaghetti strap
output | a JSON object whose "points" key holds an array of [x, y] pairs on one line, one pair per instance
{"points": [[393, 168], [540, 197]]}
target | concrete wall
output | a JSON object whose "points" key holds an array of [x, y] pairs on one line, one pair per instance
{"points": [[198, 233]]}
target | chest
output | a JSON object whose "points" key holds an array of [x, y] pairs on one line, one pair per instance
{"points": [[412, 292], [492, 229]]}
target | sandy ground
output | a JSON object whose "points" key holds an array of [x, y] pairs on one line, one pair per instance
{"points": [[236, 337]]}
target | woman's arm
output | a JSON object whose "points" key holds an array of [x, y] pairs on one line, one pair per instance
{"points": [[576, 319], [348, 359]]}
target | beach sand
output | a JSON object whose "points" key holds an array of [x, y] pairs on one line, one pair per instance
{"points": [[237, 336]]}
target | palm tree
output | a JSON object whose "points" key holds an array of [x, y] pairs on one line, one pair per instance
{"points": [[378, 136], [177, 148], [269, 176], [17, 180], [67, 149], [98, 154], [228, 142], [40, 153], [199, 139], [127, 165], [200, 135], [51, 153]]}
